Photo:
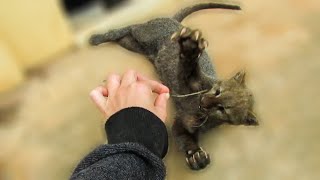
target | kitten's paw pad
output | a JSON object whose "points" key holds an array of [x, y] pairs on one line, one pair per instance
{"points": [[191, 42], [96, 39], [197, 159]]}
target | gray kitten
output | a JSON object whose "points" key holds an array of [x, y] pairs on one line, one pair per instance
{"points": [[178, 56]]}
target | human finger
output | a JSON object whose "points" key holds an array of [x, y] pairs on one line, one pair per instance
{"points": [[154, 85], [128, 78], [103, 89], [161, 105], [98, 97], [113, 84]]}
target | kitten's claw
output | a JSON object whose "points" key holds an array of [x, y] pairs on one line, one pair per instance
{"points": [[174, 36], [197, 159], [203, 44], [196, 35], [185, 32]]}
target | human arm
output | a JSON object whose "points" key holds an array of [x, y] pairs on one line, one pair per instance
{"points": [[137, 136]]}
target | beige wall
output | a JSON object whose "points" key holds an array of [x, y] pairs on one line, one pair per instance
{"points": [[32, 31]]}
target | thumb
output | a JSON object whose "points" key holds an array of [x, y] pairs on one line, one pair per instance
{"points": [[161, 105]]}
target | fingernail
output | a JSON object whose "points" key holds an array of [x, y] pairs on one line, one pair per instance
{"points": [[167, 95]]}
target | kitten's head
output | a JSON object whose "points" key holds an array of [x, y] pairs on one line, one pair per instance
{"points": [[229, 101]]}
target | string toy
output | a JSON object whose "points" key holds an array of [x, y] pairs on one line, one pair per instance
{"points": [[192, 94], [187, 95], [203, 122]]}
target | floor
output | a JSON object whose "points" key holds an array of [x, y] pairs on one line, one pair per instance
{"points": [[277, 43]]}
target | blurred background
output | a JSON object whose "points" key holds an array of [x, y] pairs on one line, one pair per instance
{"points": [[47, 122]]}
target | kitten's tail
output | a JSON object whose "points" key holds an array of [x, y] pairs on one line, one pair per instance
{"points": [[189, 10]]}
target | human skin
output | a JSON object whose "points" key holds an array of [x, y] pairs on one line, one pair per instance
{"points": [[131, 90]]}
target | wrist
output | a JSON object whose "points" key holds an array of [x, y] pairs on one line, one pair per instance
{"points": [[139, 125]]}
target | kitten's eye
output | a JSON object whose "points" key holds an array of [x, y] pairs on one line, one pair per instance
{"points": [[217, 93], [221, 108]]}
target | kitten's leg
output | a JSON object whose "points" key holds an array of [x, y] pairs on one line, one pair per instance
{"points": [[110, 36], [196, 157], [121, 36], [192, 45]]}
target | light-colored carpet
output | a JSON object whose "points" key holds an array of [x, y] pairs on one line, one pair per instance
{"points": [[277, 42]]}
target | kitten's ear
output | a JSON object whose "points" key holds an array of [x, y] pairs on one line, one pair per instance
{"points": [[240, 77], [251, 119]]}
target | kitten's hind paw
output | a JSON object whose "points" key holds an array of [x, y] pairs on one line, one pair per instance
{"points": [[191, 42], [197, 159], [96, 39]]}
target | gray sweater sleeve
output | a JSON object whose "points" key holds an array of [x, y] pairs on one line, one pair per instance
{"points": [[137, 141]]}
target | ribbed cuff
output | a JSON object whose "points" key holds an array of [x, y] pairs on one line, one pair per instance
{"points": [[138, 125]]}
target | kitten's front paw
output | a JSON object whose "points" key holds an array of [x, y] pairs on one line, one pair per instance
{"points": [[197, 159], [191, 42]]}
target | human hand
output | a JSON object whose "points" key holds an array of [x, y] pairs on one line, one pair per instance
{"points": [[132, 90]]}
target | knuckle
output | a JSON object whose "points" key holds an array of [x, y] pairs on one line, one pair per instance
{"points": [[113, 78], [141, 87], [131, 72]]}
